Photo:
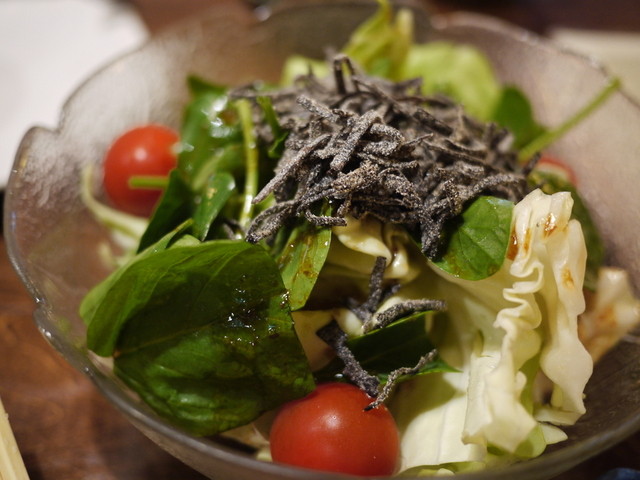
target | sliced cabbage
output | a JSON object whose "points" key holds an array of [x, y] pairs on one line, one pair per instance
{"points": [[513, 337], [504, 334], [501, 332], [308, 322], [611, 312], [361, 241]]}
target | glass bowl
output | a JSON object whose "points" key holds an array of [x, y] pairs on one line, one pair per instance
{"points": [[55, 244]]}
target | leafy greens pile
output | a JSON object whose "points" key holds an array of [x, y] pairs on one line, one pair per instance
{"points": [[386, 191]]}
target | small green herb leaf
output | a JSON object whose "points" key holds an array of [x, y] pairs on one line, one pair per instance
{"points": [[477, 242], [301, 260], [211, 158], [213, 198], [398, 345], [209, 125], [279, 134], [173, 209]]}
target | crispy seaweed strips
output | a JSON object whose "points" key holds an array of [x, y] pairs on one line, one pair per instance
{"points": [[369, 146], [337, 339]]}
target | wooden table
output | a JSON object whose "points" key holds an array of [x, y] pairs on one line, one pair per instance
{"points": [[67, 431]]}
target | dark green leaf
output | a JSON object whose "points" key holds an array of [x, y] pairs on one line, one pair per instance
{"points": [[203, 333], [95, 297], [173, 209], [398, 345], [476, 242], [211, 201]]}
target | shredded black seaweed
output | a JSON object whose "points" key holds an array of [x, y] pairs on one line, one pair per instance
{"points": [[372, 147], [335, 337], [378, 292], [405, 309], [394, 376]]}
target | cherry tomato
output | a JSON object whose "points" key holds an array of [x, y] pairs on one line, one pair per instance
{"points": [[329, 430], [142, 151], [553, 165]]}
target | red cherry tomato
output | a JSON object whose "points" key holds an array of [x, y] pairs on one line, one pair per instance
{"points": [[143, 151], [329, 430], [553, 165]]}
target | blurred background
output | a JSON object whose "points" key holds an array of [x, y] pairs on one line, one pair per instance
{"points": [[64, 428]]}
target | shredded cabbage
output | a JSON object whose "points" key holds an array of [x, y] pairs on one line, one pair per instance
{"points": [[611, 313], [362, 240], [125, 229], [502, 333]]}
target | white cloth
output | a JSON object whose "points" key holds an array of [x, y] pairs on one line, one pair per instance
{"points": [[47, 48]]}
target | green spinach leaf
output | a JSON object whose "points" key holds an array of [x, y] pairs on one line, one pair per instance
{"points": [[204, 334], [92, 300], [382, 351], [477, 241], [210, 161]]}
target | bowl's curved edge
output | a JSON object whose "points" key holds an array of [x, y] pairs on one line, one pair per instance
{"points": [[8, 218]]}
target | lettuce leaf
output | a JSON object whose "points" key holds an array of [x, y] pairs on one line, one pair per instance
{"points": [[500, 332], [381, 44], [357, 245], [552, 183], [458, 71], [613, 310]]}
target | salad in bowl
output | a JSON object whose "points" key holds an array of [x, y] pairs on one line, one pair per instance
{"points": [[375, 261]]}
